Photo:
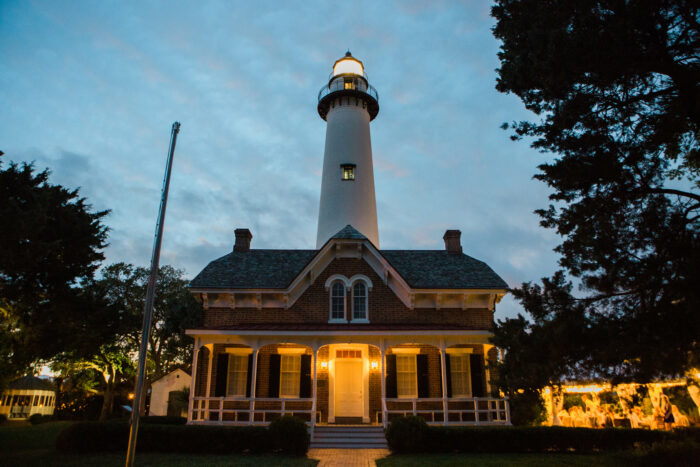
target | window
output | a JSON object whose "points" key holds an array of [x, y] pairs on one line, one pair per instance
{"points": [[406, 383], [349, 84], [290, 369], [460, 375], [348, 354], [237, 375], [348, 172], [359, 301], [337, 301]]}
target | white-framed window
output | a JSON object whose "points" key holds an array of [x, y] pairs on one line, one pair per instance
{"points": [[290, 371], [237, 375], [460, 375], [359, 301], [406, 376], [338, 301]]}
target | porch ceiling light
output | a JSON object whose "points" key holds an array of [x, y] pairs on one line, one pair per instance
{"points": [[324, 364], [374, 365]]}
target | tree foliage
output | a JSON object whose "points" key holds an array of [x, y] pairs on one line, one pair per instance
{"points": [[50, 243], [614, 86]]}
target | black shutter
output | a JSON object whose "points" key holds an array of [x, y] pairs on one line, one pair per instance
{"points": [[422, 375], [305, 377], [476, 365], [448, 375], [391, 376], [274, 388], [221, 374], [249, 375]]}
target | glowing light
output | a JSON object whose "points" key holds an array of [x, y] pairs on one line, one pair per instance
{"points": [[348, 65], [375, 365], [131, 395], [324, 364]]}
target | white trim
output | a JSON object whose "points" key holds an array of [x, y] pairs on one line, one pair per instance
{"points": [[338, 321], [238, 350], [361, 277], [415, 374], [291, 350], [359, 321], [458, 350], [336, 277], [406, 350], [340, 332]]}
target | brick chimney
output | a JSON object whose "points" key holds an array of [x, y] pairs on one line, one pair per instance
{"points": [[453, 241], [243, 238]]}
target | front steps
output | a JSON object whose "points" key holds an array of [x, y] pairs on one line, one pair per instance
{"points": [[348, 437]]}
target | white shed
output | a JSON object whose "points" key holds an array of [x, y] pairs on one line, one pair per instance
{"points": [[27, 396], [176, 380]]}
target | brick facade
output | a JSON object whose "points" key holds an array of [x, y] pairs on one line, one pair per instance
{"points": [[384, 307]]}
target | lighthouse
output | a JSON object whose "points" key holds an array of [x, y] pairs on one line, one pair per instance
{"points": [[347, 103]]}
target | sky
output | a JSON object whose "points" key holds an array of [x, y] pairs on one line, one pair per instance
{"points": [[91, 89]]}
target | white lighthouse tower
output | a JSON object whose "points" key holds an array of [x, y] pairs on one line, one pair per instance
{"points": [[348, 103]]}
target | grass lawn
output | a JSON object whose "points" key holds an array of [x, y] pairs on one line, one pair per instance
{"points": [[498, 460], [34, 446]]}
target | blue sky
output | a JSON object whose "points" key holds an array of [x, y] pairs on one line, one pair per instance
{"points": [[90, 90]]}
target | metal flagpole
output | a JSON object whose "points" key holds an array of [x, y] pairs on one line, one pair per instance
{"points": [[148, 308]]}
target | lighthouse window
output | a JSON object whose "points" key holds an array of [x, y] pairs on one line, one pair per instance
{"points": [[348, 171], [349, 84]]}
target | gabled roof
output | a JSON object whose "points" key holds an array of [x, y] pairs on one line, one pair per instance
{"points": [[438, 269], [32, 383], [276, 269], [254, 269], [349, 233]]}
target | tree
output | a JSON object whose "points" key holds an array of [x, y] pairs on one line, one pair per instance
{"points": [[615, 87], [50, 243]]}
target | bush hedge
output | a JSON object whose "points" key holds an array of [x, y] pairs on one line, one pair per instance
{"points": [[84, 437], [163, 420], [38, 418], [290, 435], [512, 439], [407, 434]]}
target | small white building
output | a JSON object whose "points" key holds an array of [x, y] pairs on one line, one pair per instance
{"points": [[176, 380], [27, 396]]}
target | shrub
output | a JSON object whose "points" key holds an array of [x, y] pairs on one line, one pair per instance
{"points": [[113, 436], [407, 434], [527, 409], [680, 453], [290, 435], [163, 420], [495, 439], [38, 418], [3, 418]]}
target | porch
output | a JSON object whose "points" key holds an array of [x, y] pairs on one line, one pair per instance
{"points": [[349, 379]]}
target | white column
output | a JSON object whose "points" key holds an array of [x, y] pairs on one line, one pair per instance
{"points": [[253, 381], [314, 363], [193, 381], [444, 381], [207, 394], [382, 349]]}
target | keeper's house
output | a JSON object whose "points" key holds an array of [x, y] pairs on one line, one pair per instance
{"points": [[346, 333]]}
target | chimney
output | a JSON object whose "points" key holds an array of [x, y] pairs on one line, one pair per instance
{"points": [[453, 241], [243, 237]]}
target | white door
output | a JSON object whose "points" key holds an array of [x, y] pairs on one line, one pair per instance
{"points": [[348, 388]]}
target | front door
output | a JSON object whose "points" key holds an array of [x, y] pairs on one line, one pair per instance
{"points": [[348, 388]]}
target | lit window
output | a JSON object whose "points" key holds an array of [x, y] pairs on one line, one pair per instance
{"points": [[237, 375], [406, 384], [460, 375], [338, 301], [290, 369], [349, 84], [359, 301], [348, 171]]}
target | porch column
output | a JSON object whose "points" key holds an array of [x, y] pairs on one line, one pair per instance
{"points": [[313, 402], [193, 381], [382, 349], [444, 381], [253, 380], [208, 391]]}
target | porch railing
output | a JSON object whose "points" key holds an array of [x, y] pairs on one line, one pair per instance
{"points": [[247, 411], [460, 411]]}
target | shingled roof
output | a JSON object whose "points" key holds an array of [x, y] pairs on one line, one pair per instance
{"points": [[276, 269], [32, 383]]}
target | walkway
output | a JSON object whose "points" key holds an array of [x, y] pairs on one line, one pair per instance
{"points": [[347, 457]]}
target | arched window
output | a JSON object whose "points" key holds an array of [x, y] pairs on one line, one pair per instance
{"points": [[338, 301], [359, 301]]}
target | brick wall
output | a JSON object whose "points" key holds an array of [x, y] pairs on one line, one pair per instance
{"points": [[384, 306]]}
